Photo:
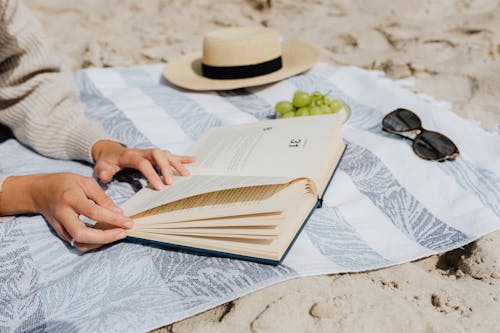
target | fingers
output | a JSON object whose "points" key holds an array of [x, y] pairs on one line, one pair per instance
{"points": [[67, 196], [149, 172], [186, 159], [94, 192], [176, 163], [103, 209], [134, 160], [85, 235], [101, 214], [161, 159], [86, 247], [165, 160], [59, 229], [65, 236], [145, 161], [105, 171]]}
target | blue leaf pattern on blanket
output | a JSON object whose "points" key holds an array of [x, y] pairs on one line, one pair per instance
{"points": [[197, 280], [485, 183], [102, 288], [481, 182], [190, 116], [343, 246], [20, 302], [373, 179], [101, 108]]}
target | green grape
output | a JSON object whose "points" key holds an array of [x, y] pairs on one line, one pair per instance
{"points": [[301, 99], [304, 111], [304, 104], [283, 107], [325, 109], [317, 93], [317, 98], [336, 105], [315, 110], [317, 102]]}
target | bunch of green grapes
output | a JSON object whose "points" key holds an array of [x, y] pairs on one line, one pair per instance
{"points": [[304, 104]]}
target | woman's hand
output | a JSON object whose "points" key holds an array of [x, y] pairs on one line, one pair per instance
{"points": [[61, 198], [111, 157]]}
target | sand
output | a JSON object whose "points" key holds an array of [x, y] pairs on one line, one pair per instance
{"points": [[451, 48]]}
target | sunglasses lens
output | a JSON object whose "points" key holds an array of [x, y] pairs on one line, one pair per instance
{"points": [[401, 120], [434, 146]]}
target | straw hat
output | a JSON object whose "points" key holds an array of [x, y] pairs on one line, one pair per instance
{"points": [[240, 57]]}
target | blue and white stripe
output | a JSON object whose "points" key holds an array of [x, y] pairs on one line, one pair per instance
{"points": [[383, 207]]}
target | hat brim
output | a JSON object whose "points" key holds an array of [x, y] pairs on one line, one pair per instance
{"points": [[185, 72]]}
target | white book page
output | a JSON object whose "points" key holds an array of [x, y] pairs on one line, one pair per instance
{"points": [[185, 187], [235, 202], [295, 147], [262, 153], [251, 220], [215, 232]]}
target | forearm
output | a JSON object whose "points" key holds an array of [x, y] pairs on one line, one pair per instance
{"points": [[16, 196]]}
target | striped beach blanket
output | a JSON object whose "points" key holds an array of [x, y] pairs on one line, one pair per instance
{"points": [[384, 206]]}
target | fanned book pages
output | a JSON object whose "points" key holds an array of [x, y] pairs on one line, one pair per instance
{"points": [[250, 192]]}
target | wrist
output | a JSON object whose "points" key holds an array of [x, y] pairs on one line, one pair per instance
{"points": [[102, 146], [17, 196]]}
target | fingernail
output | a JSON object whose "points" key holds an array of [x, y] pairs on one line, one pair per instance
{"points": [[128, 224], [121, 235], [158, 185], [170, 180]]}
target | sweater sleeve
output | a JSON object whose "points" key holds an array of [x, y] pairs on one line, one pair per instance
{"points": [[38, 99]]}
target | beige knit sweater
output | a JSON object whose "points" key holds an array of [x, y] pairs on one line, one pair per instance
{"points": [[38, 99]]}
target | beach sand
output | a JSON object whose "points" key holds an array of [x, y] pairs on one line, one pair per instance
{"points": [[451, 48]]}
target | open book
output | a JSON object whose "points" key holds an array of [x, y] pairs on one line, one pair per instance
{"points": [[250, 192]]}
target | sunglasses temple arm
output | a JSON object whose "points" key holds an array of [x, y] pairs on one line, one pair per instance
{"points": [[398, 134]]}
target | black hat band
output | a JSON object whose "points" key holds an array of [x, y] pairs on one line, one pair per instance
{"points": [[241, 72]]}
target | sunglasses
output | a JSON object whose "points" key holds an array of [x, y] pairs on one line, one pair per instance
{"points": [[428, 145]]}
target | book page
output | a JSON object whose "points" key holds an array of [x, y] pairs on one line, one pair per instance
{"points": [[245, 243], [295, 147], [216, 232], [266, 152], [185, 187], [225, 244], [260, 220], [234, 202]]}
